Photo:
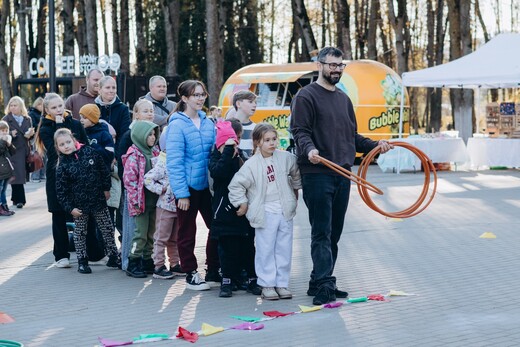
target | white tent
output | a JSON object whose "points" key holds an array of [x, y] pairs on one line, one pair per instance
{"points": [[494, 65]]}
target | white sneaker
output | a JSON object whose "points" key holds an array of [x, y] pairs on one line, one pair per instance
{"points": [[63, 263], [268, 293], [102, 261], [195, 282], [283, 293]]}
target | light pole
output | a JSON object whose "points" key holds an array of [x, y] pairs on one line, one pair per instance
{"points": [[52, 48]]}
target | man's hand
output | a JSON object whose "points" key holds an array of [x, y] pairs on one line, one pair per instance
{"points": [[312, 156], [385, 146], [107, 195], [242, 210], [76, 212], [183, 204]]}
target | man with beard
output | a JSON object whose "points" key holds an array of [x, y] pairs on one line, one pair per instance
{"points": [[323, 123], [86, 94]]}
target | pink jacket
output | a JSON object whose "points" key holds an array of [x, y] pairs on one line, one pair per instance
{"points": [[133, 178]]}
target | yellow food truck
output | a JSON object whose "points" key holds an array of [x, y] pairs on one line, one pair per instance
{"points": [[374, 88]]}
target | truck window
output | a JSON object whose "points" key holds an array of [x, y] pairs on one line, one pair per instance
{"points": [[270, 94], [294, 87]]}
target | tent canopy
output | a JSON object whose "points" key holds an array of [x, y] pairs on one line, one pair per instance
{"points": [[494, 65]]}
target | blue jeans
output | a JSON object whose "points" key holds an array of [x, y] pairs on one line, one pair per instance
{"points": [[326, 197], [3, 190]]}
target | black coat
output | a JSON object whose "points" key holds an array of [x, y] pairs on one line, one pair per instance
{"points": [[122, 145], [222, 168], [46, 133], [21, 143], [35, 116], [81, 180], [117, 115]]}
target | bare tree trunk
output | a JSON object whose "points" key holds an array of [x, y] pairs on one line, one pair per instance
{"points": [[388, 56], [124, 37], [68, 27], [271, 35], [372, 30], [461, 100], [81, 29], [115, 27], [481, 20], [91, 26], [5, 81], [402, 38], [300, 14], [140, 49], [343, 28], [41, 28], [214, 51], [103, 5], [172, 43]]}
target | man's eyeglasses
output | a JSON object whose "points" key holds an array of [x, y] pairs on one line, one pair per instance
{"points": [[200, 96], [334, 66]]}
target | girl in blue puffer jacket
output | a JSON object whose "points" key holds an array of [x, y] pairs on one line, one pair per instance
{"points": [[190, 138]]}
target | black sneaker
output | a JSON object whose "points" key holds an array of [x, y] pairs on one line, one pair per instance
{"points": [[253, 287], [114, 261], [163, 273], [213, 278], [324, 296], [226, 289], [339, 293], [195, 282], [148, 266], [177, 271], [134, 268], [83, 267]]}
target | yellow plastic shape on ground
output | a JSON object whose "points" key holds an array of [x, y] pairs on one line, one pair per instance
{"points": [[208, 329], [488, 235]]}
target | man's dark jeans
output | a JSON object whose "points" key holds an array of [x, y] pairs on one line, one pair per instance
{"points": [[326, 197]]}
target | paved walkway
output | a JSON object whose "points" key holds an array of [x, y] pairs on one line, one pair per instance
{"points": [[466, 286]]}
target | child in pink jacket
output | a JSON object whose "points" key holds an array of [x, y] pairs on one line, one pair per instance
{"points": [[141, 202]]}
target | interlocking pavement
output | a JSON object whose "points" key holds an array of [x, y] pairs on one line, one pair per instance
{"points": [[466, 287]]}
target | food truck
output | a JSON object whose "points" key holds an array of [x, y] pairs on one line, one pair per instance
{"points": [[374, 88]]}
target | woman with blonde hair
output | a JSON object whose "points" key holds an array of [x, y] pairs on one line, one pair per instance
{"points": [[22, 130]]}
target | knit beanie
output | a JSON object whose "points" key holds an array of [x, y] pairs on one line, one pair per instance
{"points": [[224, 132], [91, 112]]}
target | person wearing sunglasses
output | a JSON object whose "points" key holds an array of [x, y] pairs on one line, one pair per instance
{"points": [[323, 123]]}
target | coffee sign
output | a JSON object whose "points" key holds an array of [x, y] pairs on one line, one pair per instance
{"points": [[66, 64]]}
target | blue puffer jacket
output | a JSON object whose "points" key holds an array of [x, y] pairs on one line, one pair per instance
{"points": [[187, 153]]}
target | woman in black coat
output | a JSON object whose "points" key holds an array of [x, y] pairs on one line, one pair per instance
{"points": [[21, 129], [112, 109], [56, 117]]}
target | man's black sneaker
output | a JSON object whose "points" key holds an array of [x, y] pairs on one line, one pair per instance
{"points": [[163, 273], [177, 271], [134, 268], [339, 293], [324, 296], [226, 290]]}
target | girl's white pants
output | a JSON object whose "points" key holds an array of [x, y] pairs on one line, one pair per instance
{"points": [[274, 251]]}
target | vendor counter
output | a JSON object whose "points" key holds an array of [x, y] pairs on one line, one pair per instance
{"points": [[439, 150], [485, 151]]}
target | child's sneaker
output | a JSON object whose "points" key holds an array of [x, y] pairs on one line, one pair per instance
{"points": [[163, 273], [253, 287], [63, 263], [195, 282], [226, 289], [283, 293], [114, 261], [177, 271], [83, 267], [213, 278], [148, 266], [268, 293]]}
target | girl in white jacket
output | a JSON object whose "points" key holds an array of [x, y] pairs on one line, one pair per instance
{"points": [[265, 189]]}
